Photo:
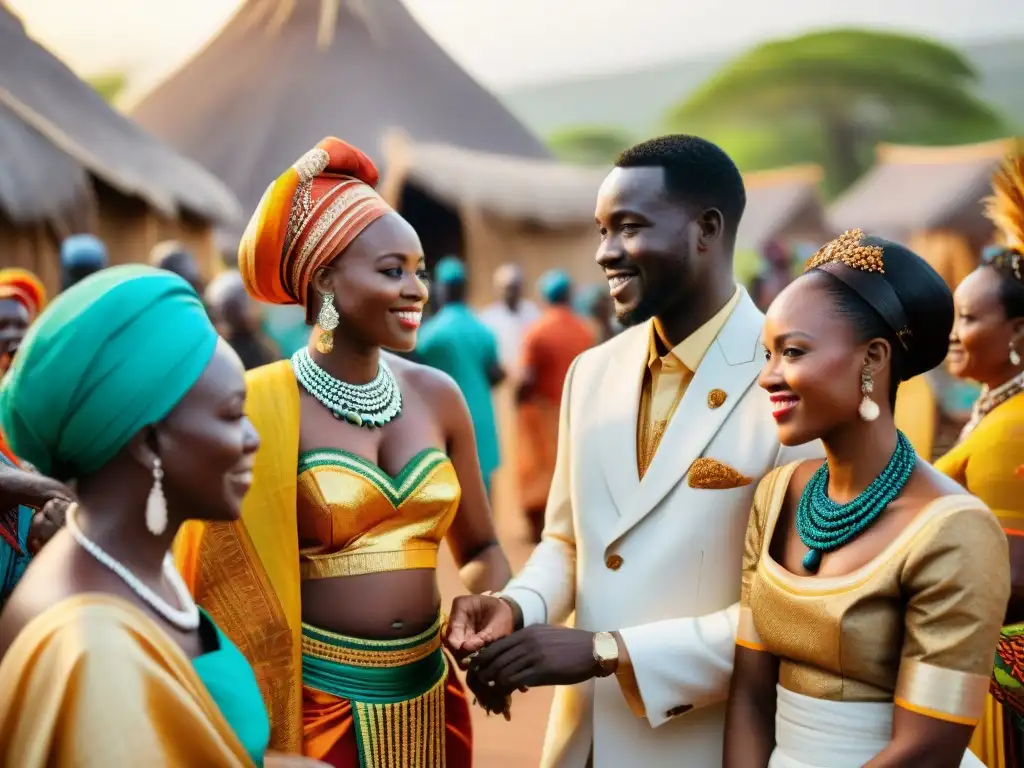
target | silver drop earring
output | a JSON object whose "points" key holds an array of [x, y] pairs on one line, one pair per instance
{"points": [[1014, 355], [868, 409], [156, 504], [327, 319]]}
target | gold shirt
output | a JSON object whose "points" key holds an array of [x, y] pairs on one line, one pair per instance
{"points": [[917, 625], [667, 377], [354, 518]]}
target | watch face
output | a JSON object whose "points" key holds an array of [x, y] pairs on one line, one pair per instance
{"points": [[605, 647]]}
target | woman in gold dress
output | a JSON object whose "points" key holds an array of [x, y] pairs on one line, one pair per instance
{"points": [[987, 346], [328, 584], [873, 586]]}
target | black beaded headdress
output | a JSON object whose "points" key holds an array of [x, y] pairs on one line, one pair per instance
{"points": [[860, 266]]}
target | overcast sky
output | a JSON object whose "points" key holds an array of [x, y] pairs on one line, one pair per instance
{"points": [[505, 42]]}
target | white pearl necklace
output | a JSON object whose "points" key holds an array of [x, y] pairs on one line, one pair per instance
{"points": [[185, 618]]}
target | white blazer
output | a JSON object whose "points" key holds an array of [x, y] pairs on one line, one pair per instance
{"points": [[658, 560]]}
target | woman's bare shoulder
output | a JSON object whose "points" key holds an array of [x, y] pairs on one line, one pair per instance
{"points": [[434, 386]]}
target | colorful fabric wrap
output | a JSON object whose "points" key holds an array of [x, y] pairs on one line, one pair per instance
{"points": [[112, 354], [306, 218], [397, 690], [25, 288], [14, 525], [1007, 685]]}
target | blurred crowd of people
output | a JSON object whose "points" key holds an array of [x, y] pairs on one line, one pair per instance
{"points": [[220, 524]]}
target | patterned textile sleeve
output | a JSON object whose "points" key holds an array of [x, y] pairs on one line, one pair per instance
{"points": [[1007, 685]]}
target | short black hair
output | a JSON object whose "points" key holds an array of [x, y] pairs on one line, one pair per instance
{"points": [[697, 172], [1008, 263], [927, 304]]}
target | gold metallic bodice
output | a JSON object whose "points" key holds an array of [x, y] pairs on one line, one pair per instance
{"points": [[354, 518], [917, 625]]}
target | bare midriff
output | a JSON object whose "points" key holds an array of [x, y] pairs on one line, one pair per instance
{"points": [[375, 606]]}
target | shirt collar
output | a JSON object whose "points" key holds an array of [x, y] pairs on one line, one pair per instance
{"points": [[691, 350]]}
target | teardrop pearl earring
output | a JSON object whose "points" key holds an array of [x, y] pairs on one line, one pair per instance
{"points": [[868, 408], [156, 504]]}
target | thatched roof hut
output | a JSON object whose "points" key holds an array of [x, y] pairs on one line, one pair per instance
{"points": [[912, 190], [783, 204], [282, 74], [490, 209], [69, 163]]}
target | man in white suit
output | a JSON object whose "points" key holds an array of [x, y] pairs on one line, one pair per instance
{"points": [[663, 436]]}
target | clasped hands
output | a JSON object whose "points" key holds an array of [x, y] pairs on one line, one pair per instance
{"points": [[499, 659]]}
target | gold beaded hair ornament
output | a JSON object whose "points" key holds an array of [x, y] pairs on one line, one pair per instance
{"points": [[1005, 209], [860, 266]]}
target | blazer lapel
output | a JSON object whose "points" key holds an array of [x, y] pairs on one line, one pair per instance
{"points": [[614, 428], [731, 365]]}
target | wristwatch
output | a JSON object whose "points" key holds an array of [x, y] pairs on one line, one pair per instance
{"points": [[606, 653]]}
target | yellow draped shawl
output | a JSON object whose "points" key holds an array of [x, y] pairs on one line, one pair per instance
{"points": [[93, 682], [246, 574]]}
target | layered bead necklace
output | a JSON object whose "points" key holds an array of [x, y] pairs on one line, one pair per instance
{"points": [[825, 526], [990, 398], [365, 405], [185, 618]]}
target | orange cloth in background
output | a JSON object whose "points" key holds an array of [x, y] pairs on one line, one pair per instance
{"points": [[329, 731], [549, 348], [537, 429], [25, 288]]}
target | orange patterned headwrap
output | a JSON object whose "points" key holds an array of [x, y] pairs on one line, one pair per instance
{"points": [[306, 218], [25, 288]]}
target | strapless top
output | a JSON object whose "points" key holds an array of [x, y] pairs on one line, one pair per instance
{"points": [[355, 518]]}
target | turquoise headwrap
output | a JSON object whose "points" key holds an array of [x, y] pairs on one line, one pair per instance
{"points": [[554, 286], [449, 270], [109, 356]]}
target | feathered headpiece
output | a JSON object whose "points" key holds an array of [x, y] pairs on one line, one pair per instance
{"points": [[1005, 207]]}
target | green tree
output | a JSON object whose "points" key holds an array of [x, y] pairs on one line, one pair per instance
{"points": [[831, 96], [109, 85], [589, 145]]}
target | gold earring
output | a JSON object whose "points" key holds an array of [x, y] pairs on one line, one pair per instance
{"points": [[327, 319]]}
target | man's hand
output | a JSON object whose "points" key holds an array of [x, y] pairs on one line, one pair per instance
{"points": [[30, 489], [476, 621], [20, 486], [45, 523], [537, 655]]}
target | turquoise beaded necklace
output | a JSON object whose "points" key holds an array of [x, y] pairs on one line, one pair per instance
{"points": [[825, 526]]}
